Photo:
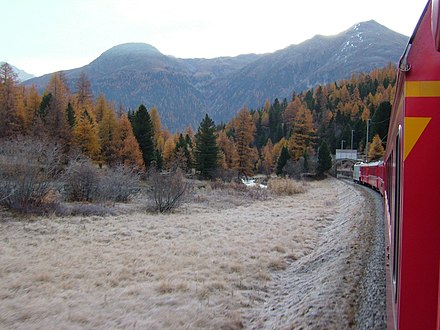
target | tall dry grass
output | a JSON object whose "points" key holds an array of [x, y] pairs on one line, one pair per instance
{"points": [[202, 267], [286, 186]]}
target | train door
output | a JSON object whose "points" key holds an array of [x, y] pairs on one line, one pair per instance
{"points": [[397, 205]]}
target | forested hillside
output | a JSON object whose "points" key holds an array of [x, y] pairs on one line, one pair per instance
{"points": [[251, 142], [332, 113]]}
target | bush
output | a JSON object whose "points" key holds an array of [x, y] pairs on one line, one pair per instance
{"points": [[84, 182], [257, 193], [27, 175], [295, 169], [119, 184], [286, 186], [81, 181], [167, 190]]}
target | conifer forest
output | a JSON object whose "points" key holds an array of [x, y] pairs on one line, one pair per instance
{"points": [[251, 142]]}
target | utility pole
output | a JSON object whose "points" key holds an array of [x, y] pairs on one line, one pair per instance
{"points": [[342, 144], [368, 135], [352, 132]]}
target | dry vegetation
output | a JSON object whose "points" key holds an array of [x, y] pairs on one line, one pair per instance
{"points": [[286, 186], [212, 264]]}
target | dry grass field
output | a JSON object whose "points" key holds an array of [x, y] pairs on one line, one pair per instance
{"points": [[218, 262]]}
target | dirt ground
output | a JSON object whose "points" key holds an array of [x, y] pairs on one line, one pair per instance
{"points": [[284, 262]]}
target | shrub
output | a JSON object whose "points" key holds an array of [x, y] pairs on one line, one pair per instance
{"points": [[84, 182], [28, 168], [119, 184], [81, 181], [257, 193], [286, 186], [167, 190], [295, 169]]}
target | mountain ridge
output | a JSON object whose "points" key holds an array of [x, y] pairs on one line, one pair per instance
{"points": [[184, 90], [21, 74]]}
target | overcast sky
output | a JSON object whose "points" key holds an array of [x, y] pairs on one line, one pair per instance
{"points": [[43, 36]]}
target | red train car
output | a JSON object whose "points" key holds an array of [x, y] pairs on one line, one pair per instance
{"points": [[373, 175], [412, 195]]}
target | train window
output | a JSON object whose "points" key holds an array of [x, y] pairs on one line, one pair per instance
{"points": [[389, 165], [435, 23], [397, 173]]}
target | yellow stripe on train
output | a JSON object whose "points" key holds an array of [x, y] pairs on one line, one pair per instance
{"points": [[414, 127], [422, 88]]}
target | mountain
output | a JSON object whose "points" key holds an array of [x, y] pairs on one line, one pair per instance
{"points": [[137, 73], [21, 74], [184, 90], [319, 60]]}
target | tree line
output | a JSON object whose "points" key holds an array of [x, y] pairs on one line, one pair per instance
{"points": [[286, 137]]}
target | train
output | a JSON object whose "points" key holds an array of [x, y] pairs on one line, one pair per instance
{"points": [[409, 181], [371, 175]]}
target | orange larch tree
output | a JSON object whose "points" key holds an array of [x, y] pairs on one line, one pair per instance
{"points": [[244, 137], [129, 153], [169, 148], [85, 135], [229, 156], [32, 103], [301, 140], [85, 131], [267, 160], [109, 135]]}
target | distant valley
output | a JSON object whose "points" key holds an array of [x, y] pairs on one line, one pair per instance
{"points": [[184, 90]]}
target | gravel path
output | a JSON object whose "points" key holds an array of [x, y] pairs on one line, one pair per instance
{"points": [[372, 294]]}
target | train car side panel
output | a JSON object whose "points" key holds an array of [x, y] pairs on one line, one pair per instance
{"points": [[412, 192]]}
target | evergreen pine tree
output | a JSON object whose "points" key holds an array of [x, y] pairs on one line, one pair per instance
{"points": [[206, 149], [70, 114], [159, 160], [282, 160], [188, 141], [55, 119], [260, 138], [275, 120], [324, 158], [381, 120], [44, 105], [306, 162], [143, 131]]}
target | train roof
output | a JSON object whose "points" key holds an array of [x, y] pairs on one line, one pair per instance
{"points": [[403, 65], [377, 163]]}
